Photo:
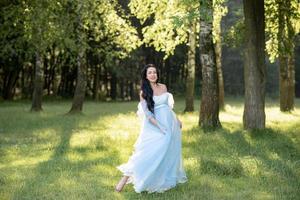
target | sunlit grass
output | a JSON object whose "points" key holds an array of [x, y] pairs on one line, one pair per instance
{"points": [[56, 156]]}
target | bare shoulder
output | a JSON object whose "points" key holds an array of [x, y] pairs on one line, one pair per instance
{"points": [[163, 87]]}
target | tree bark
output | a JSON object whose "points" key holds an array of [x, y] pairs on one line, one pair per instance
{"points": [[122, 88], [286, 57], [218, 51], [52, 73], [9, 82], [113, 86], [96, 83], [38, 84], [54, 81], [47, 82], [220, 75], [209, 109], [80, 84], [287, 83], [254, 65], [191, 65], [291, 69]]}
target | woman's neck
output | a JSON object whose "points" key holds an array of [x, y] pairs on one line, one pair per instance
{"points": [[153, 85]]}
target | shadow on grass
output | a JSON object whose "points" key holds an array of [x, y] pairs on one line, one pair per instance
{"points": [[80, 172], [225, 155], [61, 177]]}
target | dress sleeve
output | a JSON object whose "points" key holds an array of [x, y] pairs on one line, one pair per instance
{"points": [[170, 100], [143, 110]]}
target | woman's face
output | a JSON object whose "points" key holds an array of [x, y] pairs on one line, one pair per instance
{"points": [[152, 74]]}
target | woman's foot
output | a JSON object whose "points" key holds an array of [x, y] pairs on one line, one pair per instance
{"points": [[121, 184]]}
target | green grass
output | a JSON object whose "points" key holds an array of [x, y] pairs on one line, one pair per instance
{"points": [[51, 155]]}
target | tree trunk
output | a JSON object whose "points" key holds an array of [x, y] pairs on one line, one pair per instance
{"points": [[132, 91], [122, 88], [63, 81], [38, 84], [9, 82], [286, 57], [209, 109], [52, 74], [218, 51], [106, 82], [220, 74], [80, 84], [287, 83], [191, 65], [54, 81], [113, 86], [291, 69], [96, 83], [254, 65], [22, 83], [31, 81], [46, 66]]}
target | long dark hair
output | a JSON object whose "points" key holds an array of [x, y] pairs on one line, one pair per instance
{"points": [[146, 87]]}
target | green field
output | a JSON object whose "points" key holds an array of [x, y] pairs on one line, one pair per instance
{"points": [[51, 155]]}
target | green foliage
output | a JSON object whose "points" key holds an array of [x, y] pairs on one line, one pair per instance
{"points": [[219, 11], [171, 21], [40, 24], [206, 8], [69, 25], [235, 36], [12, 42], [103, 29], [234, 32], [291, 15], [166, 30], [124, 34]]}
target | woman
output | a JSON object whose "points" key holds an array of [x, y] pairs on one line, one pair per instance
{"points": [[156, 163]]}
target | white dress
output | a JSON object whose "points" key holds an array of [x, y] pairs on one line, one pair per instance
{"points": [[156, 163]]}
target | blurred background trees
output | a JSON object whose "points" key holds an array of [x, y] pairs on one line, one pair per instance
{"points": [[95, 49]]}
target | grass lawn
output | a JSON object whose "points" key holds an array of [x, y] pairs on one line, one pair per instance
{"points": [[53, 156]]}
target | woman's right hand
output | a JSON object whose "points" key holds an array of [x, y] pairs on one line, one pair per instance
{"points": [[158, 125], [163, 130]]}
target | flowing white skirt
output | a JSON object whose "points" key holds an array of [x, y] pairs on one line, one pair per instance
{"points": [[156, 163]]}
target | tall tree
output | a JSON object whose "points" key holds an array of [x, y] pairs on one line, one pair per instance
{"points": [[281, 25], [165, 36], [254, 65], [81, 61], [40, 31], [209, 109], [219, 11], [12, 46], [79, 94], [38, 83], [286, 56], [175, 22], [191, 65], [103, 26]]}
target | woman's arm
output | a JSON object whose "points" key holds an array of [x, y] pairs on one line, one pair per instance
{"points": [[149, 115]]}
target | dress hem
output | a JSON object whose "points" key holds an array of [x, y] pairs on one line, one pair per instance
{"points": [[131, 180]]}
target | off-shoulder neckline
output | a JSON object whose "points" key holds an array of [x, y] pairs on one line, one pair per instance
{"points": [[161, 94]]}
